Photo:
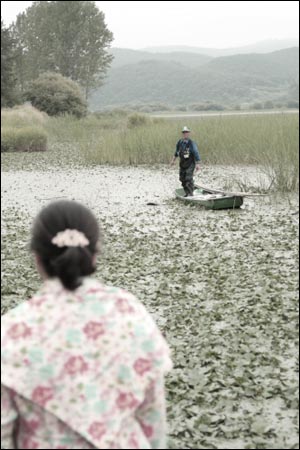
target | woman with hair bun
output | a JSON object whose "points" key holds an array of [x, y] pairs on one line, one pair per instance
{"points": [[83, 364]]}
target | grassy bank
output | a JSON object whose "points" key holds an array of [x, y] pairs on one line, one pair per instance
{"points": [[268, 141]]}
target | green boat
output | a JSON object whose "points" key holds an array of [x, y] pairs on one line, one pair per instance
{"points": [[211, 198]]}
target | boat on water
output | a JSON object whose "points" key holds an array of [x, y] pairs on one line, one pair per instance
{"points": [[211, 198]]}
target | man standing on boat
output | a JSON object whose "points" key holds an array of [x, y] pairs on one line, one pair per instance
{"points": [[188, 153]]}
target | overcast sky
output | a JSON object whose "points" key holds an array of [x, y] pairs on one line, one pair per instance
{"points": [[216, 24]]}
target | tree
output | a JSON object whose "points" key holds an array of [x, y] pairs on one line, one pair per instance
{"points": [[33, 43], [257, 105], [67, 37], [56, 95], [293, 92], [8, 79], [268, 104]]}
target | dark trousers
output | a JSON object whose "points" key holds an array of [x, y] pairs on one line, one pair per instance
{"points": [[186, 178]]}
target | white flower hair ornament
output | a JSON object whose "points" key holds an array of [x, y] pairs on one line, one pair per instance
{"points": [[70, 238]]}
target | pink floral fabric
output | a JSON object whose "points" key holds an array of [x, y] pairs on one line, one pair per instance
{"points": [[83, 370]]}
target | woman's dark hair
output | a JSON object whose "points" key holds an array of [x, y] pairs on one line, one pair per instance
{"points": [[69, 264]]}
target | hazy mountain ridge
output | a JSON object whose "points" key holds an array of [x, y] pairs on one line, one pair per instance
{"points": [[124, 57], [266, 46], [183, 78]]}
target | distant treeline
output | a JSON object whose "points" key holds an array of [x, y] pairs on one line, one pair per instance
{"points": [[162, 107]]}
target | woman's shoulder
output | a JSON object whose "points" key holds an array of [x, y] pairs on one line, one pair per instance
{"points": [[93, 286], [124, 303]]}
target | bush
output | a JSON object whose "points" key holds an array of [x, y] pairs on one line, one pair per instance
{"points": [[207, 107], [197, 107], [292, 104], [137, 120], [21, 116], [268, 104], [26, 139], [257, 106], [214, 107], [57, 95], [112, 113]]}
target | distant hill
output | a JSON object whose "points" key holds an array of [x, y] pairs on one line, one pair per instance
{"points": [[123, 56], [225, 80], [276, 66], [266, 46]]}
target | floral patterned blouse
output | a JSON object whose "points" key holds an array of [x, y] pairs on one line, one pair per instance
{"points": [[82, 370]]}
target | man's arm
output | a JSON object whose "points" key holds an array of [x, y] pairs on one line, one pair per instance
{"points": [[173, 160], [176, 154], [196, 155], [196, 152]]}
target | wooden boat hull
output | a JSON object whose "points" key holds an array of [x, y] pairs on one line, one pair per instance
{"points": [[210, 198]]}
